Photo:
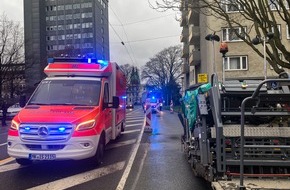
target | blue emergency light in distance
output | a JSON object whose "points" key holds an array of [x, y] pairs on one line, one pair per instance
{"points": [[27, 128]]}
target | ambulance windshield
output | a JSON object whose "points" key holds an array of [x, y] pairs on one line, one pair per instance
{"points": [[67, 92]]}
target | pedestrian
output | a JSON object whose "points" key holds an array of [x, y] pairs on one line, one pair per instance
{"points": [[4, 108]]}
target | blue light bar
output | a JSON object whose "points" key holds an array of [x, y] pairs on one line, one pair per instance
{"points": [[27, 128]]}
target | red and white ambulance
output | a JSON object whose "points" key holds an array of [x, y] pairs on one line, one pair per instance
{"points": [[72, 114]]}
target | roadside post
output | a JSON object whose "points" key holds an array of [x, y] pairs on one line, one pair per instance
{"points": [[148, 128], [171, 107]]}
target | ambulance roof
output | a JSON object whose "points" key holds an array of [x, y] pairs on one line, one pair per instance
{"points": [[78, 67]]}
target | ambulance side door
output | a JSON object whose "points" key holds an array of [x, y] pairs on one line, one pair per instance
{"points": [[107, 112]]}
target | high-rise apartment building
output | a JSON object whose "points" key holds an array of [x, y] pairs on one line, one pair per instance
{"points": [[56, 28]]}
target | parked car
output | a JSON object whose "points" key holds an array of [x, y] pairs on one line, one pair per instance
{"points": [[13, 110]]}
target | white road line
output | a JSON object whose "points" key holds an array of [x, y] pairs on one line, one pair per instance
{"points": [[134, 125], [3, 144], [131, 131], [10, 167], [125, 175], [119, 144], [78, 179], [136, 120], [5, 161]]}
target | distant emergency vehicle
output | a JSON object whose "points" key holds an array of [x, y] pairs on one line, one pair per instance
{"points": [[72, 114]]}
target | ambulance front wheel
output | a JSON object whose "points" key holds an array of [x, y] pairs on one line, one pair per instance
{"points": [[100, 150], [23, 161]]}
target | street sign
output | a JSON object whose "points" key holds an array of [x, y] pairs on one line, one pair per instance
{"points": [[202, 78]]}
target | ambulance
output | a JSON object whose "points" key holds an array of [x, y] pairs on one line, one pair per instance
{"points": [[73, 113]]}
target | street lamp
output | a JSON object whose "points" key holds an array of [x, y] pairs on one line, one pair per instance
{"points": [[213, 37], [258, 40]]}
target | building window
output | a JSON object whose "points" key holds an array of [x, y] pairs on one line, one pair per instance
{"points": [[77, 16], [60, 17], [274, 4], [68, 17], [286, 4], [272, 29], [229, 34], [231, 5], [60, 7], [86, 5], [76, 6], [68, 7], [236, 63]]}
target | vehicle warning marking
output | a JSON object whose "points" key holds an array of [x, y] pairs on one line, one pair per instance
{"points": [[78, 179]]}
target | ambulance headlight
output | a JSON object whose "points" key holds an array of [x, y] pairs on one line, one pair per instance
{"points": [[14, 125], [85, 125]]}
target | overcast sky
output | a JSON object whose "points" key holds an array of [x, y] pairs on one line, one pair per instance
{"points": [[144, 31]]}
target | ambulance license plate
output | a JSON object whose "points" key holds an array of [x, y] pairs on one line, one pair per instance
{"points": [[42, 156]]}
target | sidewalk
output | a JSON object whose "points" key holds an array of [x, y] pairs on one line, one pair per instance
{"points": [[160, 163]]}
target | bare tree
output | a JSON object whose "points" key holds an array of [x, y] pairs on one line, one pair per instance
{"points": [[127, 69], [11, 55], [164, 70], [262, 15]]}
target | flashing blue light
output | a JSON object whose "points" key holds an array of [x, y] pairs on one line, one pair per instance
{"points": [[124, 97], [27, 128], [61, 129], [103, 62], [153, 97], [89, 60]]}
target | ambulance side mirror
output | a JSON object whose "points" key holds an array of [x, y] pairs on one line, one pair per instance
{"points": [[22, 101], [114, 104]]}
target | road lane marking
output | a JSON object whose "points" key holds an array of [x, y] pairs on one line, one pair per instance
{"points": [[119, 144], [78, 179], [3, 144], [136, 120], [136, 179], [131, 131], [134, 125], [125, 175], [10, 167], [5, 161]]}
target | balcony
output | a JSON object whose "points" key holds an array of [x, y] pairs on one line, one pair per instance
{"points": [[184, 35], [194, 58], [194, 35], [185, 68], [193, 17], [185, 51]]}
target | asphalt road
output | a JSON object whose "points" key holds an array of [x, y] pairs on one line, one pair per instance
{"points": [[137, 160]]}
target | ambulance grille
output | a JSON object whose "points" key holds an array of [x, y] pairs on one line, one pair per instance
{"points": [[45, 132]]}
